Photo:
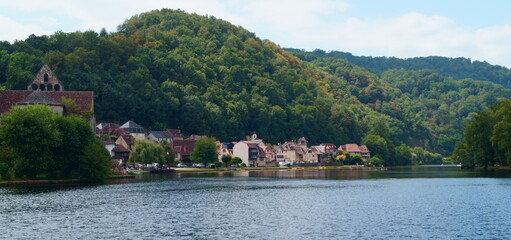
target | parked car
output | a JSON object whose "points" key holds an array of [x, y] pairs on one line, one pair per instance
{"points": [[181, 165], [211, 165], [199, 165]]}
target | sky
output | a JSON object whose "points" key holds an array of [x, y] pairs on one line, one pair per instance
{"points": [[476, 29]]}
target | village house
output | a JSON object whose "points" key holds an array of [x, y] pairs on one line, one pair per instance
{"points": [[312, 155], [183, 149], [322, 153], [106, 128], [175, 134], [120, 154], [223, 149], [270, 154], [329, 148], [354, 149], [292, 151], [127, 141], [133, 129], [159, 136], [250, 153]]}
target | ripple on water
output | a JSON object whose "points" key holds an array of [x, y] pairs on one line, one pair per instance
{"points": [[262, 208]]}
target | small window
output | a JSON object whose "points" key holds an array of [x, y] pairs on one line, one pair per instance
{"points": [[45, 77], [49, 87], [42, 87], [34, 87], [57, 87]]}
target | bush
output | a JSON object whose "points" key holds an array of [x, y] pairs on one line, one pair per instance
{"points": [[95, 163]]}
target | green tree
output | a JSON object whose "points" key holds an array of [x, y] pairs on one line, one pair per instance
{"points": [[226, 159], [32, 133], [204, 151], [169, 154], [356, 160], [403, 155], [75, 135], [147, 152], [378, 146], [94, 163], [376, 160], [236, 160]]}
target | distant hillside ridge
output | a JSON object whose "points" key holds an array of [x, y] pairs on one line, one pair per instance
{"points": [[457, 68]]}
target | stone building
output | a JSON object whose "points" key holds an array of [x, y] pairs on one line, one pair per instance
{"points": [[46, 89]]}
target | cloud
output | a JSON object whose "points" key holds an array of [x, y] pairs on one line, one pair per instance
{"points": [[411, 35], [307, 24], [11, 30]]}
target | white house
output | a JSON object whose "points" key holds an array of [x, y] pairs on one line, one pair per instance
{"points": [[250, 153]]}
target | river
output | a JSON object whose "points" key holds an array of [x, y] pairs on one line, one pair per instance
{"points": [[401, 203]]}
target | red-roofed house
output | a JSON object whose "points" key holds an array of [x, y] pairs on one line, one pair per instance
{"points": [[355, 149], [126, 140], [183, 149]]}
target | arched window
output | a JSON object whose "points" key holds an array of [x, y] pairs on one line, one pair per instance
{"points": [[42, 87], [56, 87], [34, 87], [45, 77], [49, 87]]}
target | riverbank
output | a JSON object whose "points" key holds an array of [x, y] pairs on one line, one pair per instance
{"points": [[29, 182], [346, 167]]}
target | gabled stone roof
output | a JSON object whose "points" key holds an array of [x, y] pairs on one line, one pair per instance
{"points": [[176, 133], [130, 124], [351, 148], [38, 97], [160, 134], [45, 77], [130, 140]]}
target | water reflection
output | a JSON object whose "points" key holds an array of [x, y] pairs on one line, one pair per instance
{"points": [[401, 203]]}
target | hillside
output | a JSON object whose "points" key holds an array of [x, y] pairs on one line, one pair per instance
{"points": [[457, 68], [170, 69]]}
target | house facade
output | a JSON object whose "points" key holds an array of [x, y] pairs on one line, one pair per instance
{"points": [[159, 136], [250, 153], [127, 141], [133, 129]]}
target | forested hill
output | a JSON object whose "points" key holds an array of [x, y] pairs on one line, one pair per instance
{"points": [[170, 69], [457, 68]]}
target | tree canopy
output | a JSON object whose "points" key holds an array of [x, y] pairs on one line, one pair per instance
{"points": [[487, 138], [46, 144], [204, 151]]}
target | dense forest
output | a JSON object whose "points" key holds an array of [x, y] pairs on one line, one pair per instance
{"points": [[170, 69], [487, 138], [457, 68]]}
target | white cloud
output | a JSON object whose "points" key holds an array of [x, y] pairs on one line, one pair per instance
{"points": [[414, 34], [11, 30], [308, 24], [48, 22]]}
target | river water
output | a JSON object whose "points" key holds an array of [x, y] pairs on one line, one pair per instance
{"points": [[403, 203]]}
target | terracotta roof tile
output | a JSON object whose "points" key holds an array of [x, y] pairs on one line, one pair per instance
{"points": [[85, 99]]}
